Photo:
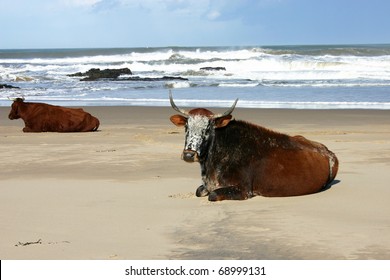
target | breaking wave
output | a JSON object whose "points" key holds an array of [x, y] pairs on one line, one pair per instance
{"points": [[252, 72]]}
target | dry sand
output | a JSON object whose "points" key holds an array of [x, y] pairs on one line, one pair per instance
{"points": [[124, 193]]}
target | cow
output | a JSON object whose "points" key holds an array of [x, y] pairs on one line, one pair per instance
{"points": [[41, 117], [239, 160]]}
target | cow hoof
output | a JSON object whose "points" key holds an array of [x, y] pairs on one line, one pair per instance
{"points": [[201, 191], [213, 196]]}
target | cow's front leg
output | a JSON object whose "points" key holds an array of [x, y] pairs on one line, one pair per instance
{"points": [[229, 193], [202, 191]]}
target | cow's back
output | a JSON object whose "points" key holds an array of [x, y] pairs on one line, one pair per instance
{"points": [[41, 117]]}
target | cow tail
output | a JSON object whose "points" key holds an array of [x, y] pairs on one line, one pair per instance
{"points": [[333, 166], [97, 125], [330, 169]]}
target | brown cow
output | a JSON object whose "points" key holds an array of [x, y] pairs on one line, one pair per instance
{"points": [[239, 160], [41, 117]]}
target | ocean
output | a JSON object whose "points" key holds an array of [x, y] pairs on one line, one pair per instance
{"points": [[299, 77]]}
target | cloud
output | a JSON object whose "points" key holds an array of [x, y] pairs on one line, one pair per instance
{"points": [[246, 11], [106, 5], [175, 7], [191, 8], [80, 3], [209, 10], [107, 23], [213, 15]]}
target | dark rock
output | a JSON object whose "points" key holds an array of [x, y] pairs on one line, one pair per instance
{"points": [[7, 86], [113, 75], [97, 74], [156, 79], [213, 68], [78, 74]]}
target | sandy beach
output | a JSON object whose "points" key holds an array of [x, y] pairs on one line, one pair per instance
{"points": [[124, 193]]}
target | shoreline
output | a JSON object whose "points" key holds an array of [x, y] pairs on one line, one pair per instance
{"points": [[210, 105], [124, 193]]}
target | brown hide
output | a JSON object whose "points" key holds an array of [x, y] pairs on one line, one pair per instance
{"points": [[304, 169], [248, 160], [40, 117]]}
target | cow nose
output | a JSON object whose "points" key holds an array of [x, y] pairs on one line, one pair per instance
{"points": [[189, 156]]}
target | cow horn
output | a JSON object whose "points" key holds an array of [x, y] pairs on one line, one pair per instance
{"points": [[15, 98], [228, 112], [185, 113]]}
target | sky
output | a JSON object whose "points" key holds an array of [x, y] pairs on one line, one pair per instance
{"points": [[26, 24]]}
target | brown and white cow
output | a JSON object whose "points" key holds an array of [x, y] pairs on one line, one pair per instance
{"points": [[240, 160], [41, 117]]}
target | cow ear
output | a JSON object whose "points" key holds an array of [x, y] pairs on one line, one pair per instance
{"points": [[222, 121], [178, 120]]}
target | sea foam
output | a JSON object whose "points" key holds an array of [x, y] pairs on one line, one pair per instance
{"points": [[345, 76]]}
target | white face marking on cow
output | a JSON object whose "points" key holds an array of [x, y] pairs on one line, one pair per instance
{"points": [[197, 131]]}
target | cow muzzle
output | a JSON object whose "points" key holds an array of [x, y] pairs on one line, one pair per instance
{"points": [[190, 156]]}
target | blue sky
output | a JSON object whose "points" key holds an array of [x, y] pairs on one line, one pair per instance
{"points": [[155, 23]]}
